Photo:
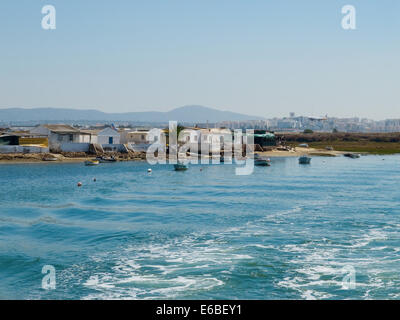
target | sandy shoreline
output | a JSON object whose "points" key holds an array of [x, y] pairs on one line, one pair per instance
{"points": [[17, 158], [302, 151], [38, 158], [66, 160]]}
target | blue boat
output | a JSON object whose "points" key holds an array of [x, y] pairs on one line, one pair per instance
{"points": [[261, 161], [352, 155], [304, 160], [181, 166]]}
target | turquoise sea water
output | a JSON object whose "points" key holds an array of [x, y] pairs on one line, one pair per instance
{"points": [[285, 232]]}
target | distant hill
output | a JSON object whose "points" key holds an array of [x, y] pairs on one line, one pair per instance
{"points": [[192, 114]]}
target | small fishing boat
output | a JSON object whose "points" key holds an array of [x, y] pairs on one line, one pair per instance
{"points": [[50, 159], [106, 159], [180, 166], [352, 155], [304, 145], [304, 160], [92, 162], [261, 161]]}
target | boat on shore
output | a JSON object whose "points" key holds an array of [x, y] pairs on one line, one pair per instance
{"points": [[92, 162], [50, 159], [304, 159], [261, 161], [352, 155]]}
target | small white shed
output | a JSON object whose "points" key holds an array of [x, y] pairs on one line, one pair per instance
{"points": [[108, 136]]}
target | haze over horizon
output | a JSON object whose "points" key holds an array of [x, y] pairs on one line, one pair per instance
{"points": [[207, 108], [264, 58]]}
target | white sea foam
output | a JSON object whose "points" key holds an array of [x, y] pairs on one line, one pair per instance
{"points": [[155, 271], [180, 267], [318, 265]]}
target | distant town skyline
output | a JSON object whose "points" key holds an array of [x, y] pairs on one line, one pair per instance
{"points": [[201, 113], [264, 58]]}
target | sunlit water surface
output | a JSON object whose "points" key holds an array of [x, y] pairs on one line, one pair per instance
{"points": [[288, 231]]}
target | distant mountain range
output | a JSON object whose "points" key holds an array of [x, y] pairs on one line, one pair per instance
{"points": [[192, 114]]}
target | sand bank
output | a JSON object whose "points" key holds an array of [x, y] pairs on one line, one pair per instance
{"points": [[297, 152], [74, 158]]}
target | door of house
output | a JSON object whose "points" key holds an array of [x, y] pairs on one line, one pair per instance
{"points": [[110, 140]]}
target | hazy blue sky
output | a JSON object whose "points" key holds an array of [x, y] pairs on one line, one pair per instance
{"points": [[256, 57]]}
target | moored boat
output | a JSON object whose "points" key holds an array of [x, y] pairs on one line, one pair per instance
{"points": [[106, 159], [352, 155], [261, 161], [304, 159], [91, 162], [181, 166]]}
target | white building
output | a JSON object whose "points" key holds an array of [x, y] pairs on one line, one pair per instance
{"points": [[108, 136], [62, 134], [134, 136], [140, 140]]}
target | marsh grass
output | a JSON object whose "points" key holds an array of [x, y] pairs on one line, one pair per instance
{"points": [[362, 146], [373, 143]]}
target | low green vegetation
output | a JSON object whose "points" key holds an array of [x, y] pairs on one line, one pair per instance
{"points": [[374, 143], [360, 146]]}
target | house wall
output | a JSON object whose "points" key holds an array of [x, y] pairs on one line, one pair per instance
{"points": [[105, 139], [134, 137], [104, 136], [83, 138], [56, 140], [23, 149], [93, 138], [115, 147], [74, 147]]}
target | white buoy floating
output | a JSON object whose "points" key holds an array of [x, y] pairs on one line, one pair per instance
{"points": [[149, 170]]}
